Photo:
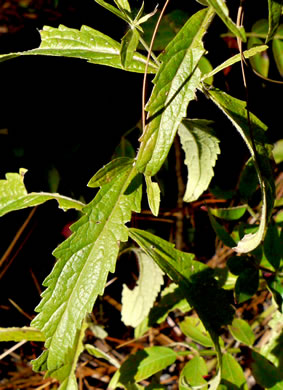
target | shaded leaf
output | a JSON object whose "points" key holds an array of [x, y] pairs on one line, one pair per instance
{"points": [[201, 150], [192, 327], [84, 261], [14, 196], [242, 331], [153, 195], [137, 303], [248, 181], [237, 264], [273, 246], [260, 62], [265, 373], [246, 285], [277, 48], [205, 67], [109, 172], [229, 213], [274, 14], [276, 287], [86, 43], [193, 374], [233, 377], [273, 348], [220, 231], [175, 85], [18, 334]]}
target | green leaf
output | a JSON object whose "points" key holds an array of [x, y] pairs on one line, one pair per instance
{"points": [[137, 303], [246, 285], [193, 373], [248, 181], [109, 172], [220, 231], [201, 150], [276, 287], [236, 58], [229, 213], [236, 111], [84, 261], [278, 151], [242, 331], [277, 49], [142, 365], [259, 62], [205, 67], [123, 4], [113, 9], [128, 47], [153, 195], [223, 12], [18, 334], [192, 327], [237, 264], [175, 85], [265, 373], [233, 377], [273, 348], [273, 246], [191, 275], [274, 14], [86, 43], [98, 353], [14, 196]]}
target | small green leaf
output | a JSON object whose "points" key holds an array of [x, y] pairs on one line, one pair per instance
{"points": [[229, 213], [175, 85], [278, 151], [265, 373], [236, 58], [110, 171], [273, 246], [128, 47], [86, 43], [276, 287], [274, 14], [98, 353], [137, 303], [205, 67], [113, 9], [277, 49], [223, 12], [193, 373], [123, 4], [246, 285], [233, 377], [192, 327], [14, 196], [201, 150], [220, 231], [18, 334], [248, 181], [142, 365], [153, 195], [260, 62], [242, 331]]}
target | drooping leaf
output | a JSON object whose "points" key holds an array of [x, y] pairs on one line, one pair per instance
{"points": [[193, 374], [265, 373], [153, 195], [84, 261], [128, 47], [235, 110], [192, 327], [142, 365], [236, 58], [201, 150], [222, 10], [86, 43], [229, 213], [220, 231], [260, 62], [137, 303], [242, 331], [175, 85], [18, 334], [274, 14], [14, 196], [233, 377], [98, 353]]}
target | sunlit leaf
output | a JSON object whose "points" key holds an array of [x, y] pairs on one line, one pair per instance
{"points": [[278, 151], [274, 14], [201, 150], [84, 261], [175, 85], [86, 43], [14, 196], [233, 377], [112, 9], [18, 334], [153, 195], [128, 47], [192, 327], [260, 62], [229, 213], [193, 374], [137, 303], [98, 353], [242, 331], [123, 4]]}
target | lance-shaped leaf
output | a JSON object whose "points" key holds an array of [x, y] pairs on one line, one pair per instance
{"points": [[137, 303], [201, 150], [84, 261], [14, 196], [274, 14], [252, 132], [128, 47], [175, 85], [113, 9], [229, 213], [277, 49], [222, 11], [153, 195], [18, 334], [86, 43]]}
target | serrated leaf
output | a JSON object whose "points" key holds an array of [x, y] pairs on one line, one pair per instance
{"points": [[201, 150], [233, 377], [175, 85], [236, 58], [98, 353], [109, 172], [137, 303], [193, 374], [242, 331], [192, 327], [86, 43], [153, 195], [274, 14], [229, 213], [128, 47], [235, 110], [14, 196], [222, 10], [142, 365], [18, 334], [84, 261]]}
